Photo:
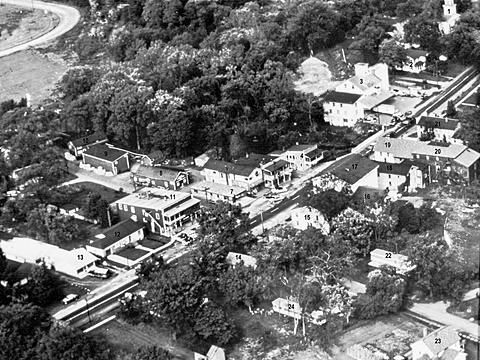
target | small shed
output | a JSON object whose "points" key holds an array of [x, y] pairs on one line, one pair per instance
{"points": [[287, 307], [236, 258], [201, 160]]}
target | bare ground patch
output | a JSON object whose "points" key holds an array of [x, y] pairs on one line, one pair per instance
{"points": [[28, 72]]}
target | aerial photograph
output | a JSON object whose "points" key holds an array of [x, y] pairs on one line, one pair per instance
{"points": [[239, 180]]}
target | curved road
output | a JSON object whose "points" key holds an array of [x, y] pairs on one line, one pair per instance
{"points": [[68, 18]]}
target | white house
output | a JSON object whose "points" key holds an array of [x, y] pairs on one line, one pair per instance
{"points": [[116, 237], [381, 257], [442, 129], [416, 61], [248, 177], [392, 176], [366, 91], [236, 258], [306, 216], [443, 343], [302, 157], [76, 262]]}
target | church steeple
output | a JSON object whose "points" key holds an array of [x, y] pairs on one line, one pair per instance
{"points": [[449, 9]]}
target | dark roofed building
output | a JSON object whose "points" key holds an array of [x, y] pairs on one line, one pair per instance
{"points": [[407, 173], [342, 98], [355, 170], [254, 159], [116, 237], [112, 160], [80, 144], [443, 129], [161, 176]]}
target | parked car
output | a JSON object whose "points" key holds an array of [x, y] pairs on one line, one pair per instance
{"points": [[278, 190], [408, 113], [69, 298]]}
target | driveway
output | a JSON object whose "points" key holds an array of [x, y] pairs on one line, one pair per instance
{"points": [[68, 18]]}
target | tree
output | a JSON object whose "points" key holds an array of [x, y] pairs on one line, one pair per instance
{"points": [[408, 219], [424, 32], [61, 344], [44, 287], [385, 294], [392, 53], [470, 128], [228, 223], [337, 300], [213, 324], [372, 30], [241, 285], [354, 228], [330, 202], [95, 207], [175, 295], [477, 98], [428, 217], [78, 81], [451, 111], [461, 43], [21, 328]]}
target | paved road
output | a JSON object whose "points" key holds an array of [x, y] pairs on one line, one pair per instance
{"points": [[68, 18]]}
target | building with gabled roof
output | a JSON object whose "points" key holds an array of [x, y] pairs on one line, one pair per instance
{"points": [[116, 237], [416, 61], [166, 177], [392, 176], [442, 344], [79, 145], [306, 216], [365, 91], [109, 159], [211, 191], [276, 172], [355, 170], [442, 129], [227, 173], [381, 257], [302, 157], [214, 353]]}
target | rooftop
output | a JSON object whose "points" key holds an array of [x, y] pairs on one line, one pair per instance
{"points": [[395, 169], [253, 159], [275, 165], [89, 139], [398, 147], [116, 233], [351, 168], [231, 168], [220, 189], [236, 258], [314, 153], [416, 53], [158, 172], [153, 198], [372, 100], [302, 147], [467, 158], [440, 149], [448, 335], [101, 151], [341, 97], [365, 81], [438, 123]]}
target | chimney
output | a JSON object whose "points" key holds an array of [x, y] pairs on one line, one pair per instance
{"points": [[247, 156], [361, 68], [296, 143], [347, 169], [425, 332]]}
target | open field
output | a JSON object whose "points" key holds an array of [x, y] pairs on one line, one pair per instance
{"points": [[19, 25], [28, 72]]}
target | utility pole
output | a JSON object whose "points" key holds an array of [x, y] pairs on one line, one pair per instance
{"points": [[108, 216], [88, 310]]}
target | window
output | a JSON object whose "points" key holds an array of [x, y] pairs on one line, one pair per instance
{"points": [[331, 111], [145, 220], [437, 158], [353, 87], [341, 105], [157, 216], [132, 209], [120, 206], [345, 120], [221, 175], [427, 157], [134, 217], [389, 183], [144, 213], [389, 176]]}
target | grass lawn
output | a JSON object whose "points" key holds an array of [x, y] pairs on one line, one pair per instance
{"points": [[84, 188], [129, 337], [454, 69], [132, 254], [466, 309]]}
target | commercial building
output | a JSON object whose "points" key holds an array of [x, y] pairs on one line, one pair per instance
{"points": [[166, 177], [110, 160], [162, 211], [302, 157], [79, 145]]}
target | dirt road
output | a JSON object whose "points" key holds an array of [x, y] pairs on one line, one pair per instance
{"points": [[68, 18]]}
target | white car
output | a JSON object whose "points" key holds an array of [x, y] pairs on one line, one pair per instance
{"points": [[69, 298], [278, 190]]}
